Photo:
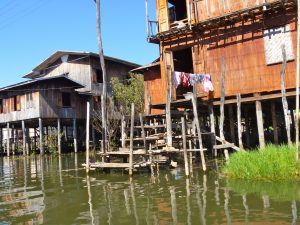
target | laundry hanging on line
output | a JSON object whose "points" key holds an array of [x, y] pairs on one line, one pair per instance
{"points": [[190, 79]]}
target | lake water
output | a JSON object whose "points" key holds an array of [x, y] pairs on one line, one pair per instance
{"points": [[56, 190]]}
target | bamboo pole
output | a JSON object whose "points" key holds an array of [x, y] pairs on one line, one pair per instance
{"points": [[87, 144], [186, 163], [231, 123], [104, 85], [212, 127], [284, 100], [239, 120], [297, 83], [131, 141], [222, 99], [195, 111]]}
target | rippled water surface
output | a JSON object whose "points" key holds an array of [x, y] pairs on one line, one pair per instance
{"points": [[56, 190]]}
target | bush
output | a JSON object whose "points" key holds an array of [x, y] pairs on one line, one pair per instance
{"points": [[271, 163]]}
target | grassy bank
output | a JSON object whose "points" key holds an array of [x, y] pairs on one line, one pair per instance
{"points": [[272, 163]]}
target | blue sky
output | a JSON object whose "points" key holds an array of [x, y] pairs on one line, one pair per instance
{"points": [[31, 30]]}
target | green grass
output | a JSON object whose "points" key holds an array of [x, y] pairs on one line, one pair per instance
{"points": [[271, 163]]}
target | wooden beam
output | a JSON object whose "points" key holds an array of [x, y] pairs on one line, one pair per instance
{"points": [[24, 137], [239, 121], [222, 99], [260, 125], [8, 139], [284, 100], [87, 138], [58, 136], [131, 141], [41, 136], [185, 155], [274, 122]]}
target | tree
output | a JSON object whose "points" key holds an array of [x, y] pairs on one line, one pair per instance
{"points": [[132, 91]]}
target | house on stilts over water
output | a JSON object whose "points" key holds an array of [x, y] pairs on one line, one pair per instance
{"points": [[227, 67], [51, 104]]}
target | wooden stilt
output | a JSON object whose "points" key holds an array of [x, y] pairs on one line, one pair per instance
{"points": [[58, 136], [24, 137], [41, 136], [260, 126], [1, 141], [13, 132], [195, 111], [87, 142], [239, 120], [75, 135], [148, 99], [231, 123], [35, 144], [131, 141], [190, 157], [151, 160], [222, 100], [284, 100], [8, 140], [212, 127], [274, 122], [123, 131], [143, 130], [27, 141], [186, 163]]}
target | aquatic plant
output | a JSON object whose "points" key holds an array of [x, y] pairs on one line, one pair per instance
{"points": [[271, 163]]}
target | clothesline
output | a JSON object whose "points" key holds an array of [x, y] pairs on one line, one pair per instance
{"points": [[190, 79]]}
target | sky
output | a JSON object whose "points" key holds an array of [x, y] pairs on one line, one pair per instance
{"points": [[32, 30]]}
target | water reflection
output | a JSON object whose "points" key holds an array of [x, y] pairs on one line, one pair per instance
{"points": [[56, 190]]}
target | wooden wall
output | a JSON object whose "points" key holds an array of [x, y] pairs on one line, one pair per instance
{"points": [[156, 87], [242, 45]]}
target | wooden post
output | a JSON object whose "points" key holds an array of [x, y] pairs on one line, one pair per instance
{"points": [[131, 141], [87, 140], [41, 136], [186, 163], [27, 141], [239, 120], [59, 136], [260, 125], [195, 111], [75, 135], [169, 119], [1, 140], [151, 159], [274, 122], [8, 139], [13, 131], [231, 123], [297, 84], [284, 100], [143, 131], [24, 137], [148, 99], [222, 100], [123, 131], [212, 127]]}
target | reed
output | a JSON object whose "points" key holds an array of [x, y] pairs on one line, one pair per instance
{"points": [[271, 163]]}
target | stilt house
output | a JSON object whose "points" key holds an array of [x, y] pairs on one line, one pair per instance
{"points": [[248, 50], [54, 99]]}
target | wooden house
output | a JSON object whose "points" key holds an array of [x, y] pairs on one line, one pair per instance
{"points": [[250, 44], [54, 97]]}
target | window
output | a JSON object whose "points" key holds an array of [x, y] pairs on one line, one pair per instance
{"points": [[66, 99], [177, 10], [99, 76], [274, 39]]}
